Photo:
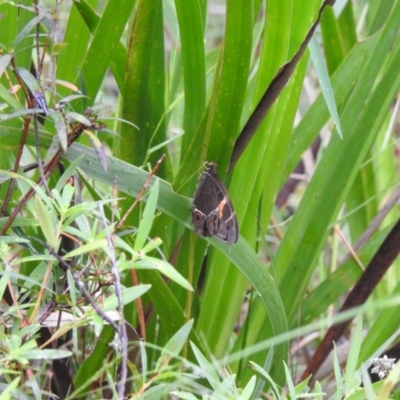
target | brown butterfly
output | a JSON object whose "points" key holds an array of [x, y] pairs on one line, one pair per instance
{"points": [[212, 209]]}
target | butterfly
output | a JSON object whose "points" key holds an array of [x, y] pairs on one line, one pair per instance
{"points": [[212, 209]]}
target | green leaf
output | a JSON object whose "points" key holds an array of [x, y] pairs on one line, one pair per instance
{"points": [[190, 20], [87, 248], [144, 83], [28, 28], [207, 368], [47, 354], [325, 82], [351, 365], [8, 392], [47, 223], [248, 391], [94, 362], [102, 47], [61, 128], [174, 346], [343, 81], [3, 284], [165, 268], [147, 217], [128, 295]]}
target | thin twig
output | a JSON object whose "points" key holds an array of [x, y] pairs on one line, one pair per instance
{"points": [[349, 247], [10, 189], [118, 292], [139, 306], [14, 300], [41, 292], [39, 159], [35, 118], [53, 57]]}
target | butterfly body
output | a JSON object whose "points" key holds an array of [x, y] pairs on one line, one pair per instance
{"points": [[212, 209]]}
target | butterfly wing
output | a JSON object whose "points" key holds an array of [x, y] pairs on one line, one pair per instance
{"points": [[228, 228], [204, 207], [212, 209]]}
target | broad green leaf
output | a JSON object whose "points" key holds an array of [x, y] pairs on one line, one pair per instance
{"points": [[143, 91], [102, 47]]}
